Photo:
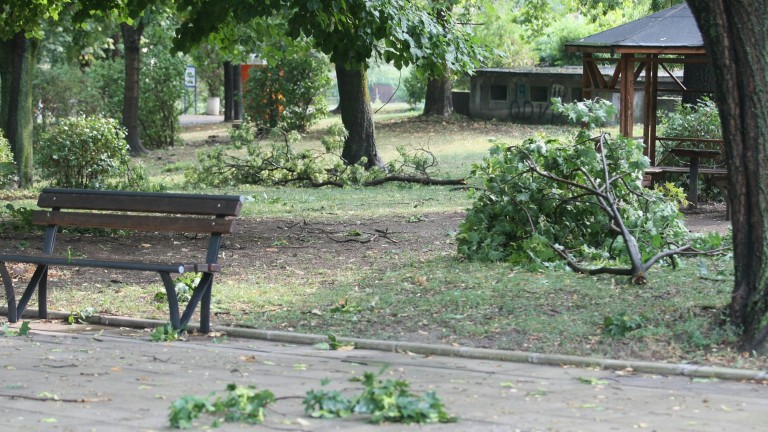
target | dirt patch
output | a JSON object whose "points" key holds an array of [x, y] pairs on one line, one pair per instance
{"points": [[277, 250], [708, 218], [296, 250]]}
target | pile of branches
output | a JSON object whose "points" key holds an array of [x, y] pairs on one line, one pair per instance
{"points": [[547, 202], [256, 157]]}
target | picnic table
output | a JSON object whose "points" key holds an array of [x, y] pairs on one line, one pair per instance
{"points": [[693, 169]]}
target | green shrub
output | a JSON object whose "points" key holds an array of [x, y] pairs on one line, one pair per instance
{"points": [[82, 152], [161, 90], [62, 91], [415, 88], [106, 79], [7, 165], [289, 94]]}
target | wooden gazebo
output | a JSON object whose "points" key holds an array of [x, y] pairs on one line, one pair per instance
{"points": [[643, 47]]}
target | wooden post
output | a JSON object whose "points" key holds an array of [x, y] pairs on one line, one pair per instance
{"points": [[626, 115], [586, 82], [651, 121]]}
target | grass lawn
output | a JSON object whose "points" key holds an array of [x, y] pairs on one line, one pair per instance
{"points": [[381, 263]]}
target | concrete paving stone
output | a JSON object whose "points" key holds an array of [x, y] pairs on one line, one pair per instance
{"points": [[115, 379]]}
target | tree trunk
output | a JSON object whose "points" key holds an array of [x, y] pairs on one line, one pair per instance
{"points": [[228, 90], [237, 92], [736, 37], [17, 61], [357, 117], [438, 100], [132, 48]]}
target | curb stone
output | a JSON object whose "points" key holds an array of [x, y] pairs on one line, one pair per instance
{"points": [[688, 370]]}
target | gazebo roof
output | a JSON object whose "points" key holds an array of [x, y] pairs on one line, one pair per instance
{"points": [[673, 29]]}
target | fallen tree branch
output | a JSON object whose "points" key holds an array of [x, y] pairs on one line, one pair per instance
{"points": [[53, 399]]}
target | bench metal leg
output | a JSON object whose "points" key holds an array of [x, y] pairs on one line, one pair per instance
{"points": [[39, 279], [202, 292], [10, 295], [42, 296], [173, 301]]}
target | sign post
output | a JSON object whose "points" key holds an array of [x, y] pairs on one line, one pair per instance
{"points": [[190, 81]]}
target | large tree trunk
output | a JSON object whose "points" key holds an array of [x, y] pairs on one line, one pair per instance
{"points": [[229, 104], [132, 48], [357, 117], [17, 61], [736, 37], [237, 92], [438, 100]]}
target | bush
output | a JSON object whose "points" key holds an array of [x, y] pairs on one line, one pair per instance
{"points": [[62, 91], [7, 165], [692, 121], [83, 152], [415, 88], [161, 90], [106, 79], [289, 94]]}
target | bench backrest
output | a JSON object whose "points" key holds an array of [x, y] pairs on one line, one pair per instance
{"points": [[172, 212]]}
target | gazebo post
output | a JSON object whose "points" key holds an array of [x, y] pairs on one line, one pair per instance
{"points": [[648, 104], [627, 110], [651, 120], [586, 81]]}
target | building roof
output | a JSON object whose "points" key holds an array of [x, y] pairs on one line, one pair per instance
{"points": [[672, 28]]}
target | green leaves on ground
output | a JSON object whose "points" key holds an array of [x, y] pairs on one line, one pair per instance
{"points": [[166, 333], [80, 317], [22, 331], [383, 400], [241, 404], [620, 324], [334, 344]]}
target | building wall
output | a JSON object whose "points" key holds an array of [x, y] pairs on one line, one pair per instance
{"points": [[526, 96]]}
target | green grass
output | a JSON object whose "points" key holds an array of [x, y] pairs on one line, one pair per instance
{"points": [[429, 294], [497, 306]]}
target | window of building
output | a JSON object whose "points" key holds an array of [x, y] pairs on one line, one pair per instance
{"points": [[539, 94], [576, 94], [498, 92], [558, 90]]}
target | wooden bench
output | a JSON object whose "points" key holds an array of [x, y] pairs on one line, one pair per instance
{"points": [[135, 211], [659, 173]]}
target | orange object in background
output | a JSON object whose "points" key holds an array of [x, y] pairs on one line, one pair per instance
{"points": [[270, 118]]}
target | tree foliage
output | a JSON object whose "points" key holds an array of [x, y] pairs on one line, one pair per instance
{"points": [[7, 167], [288, 94]]}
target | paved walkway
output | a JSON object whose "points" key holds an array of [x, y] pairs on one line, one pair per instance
{"points": [[196, 119], [115, 379]]}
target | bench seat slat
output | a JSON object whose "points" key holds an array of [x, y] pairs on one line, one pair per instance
{"points": [[134, 222], [116, 265], [684, 170], [221, 205]]}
